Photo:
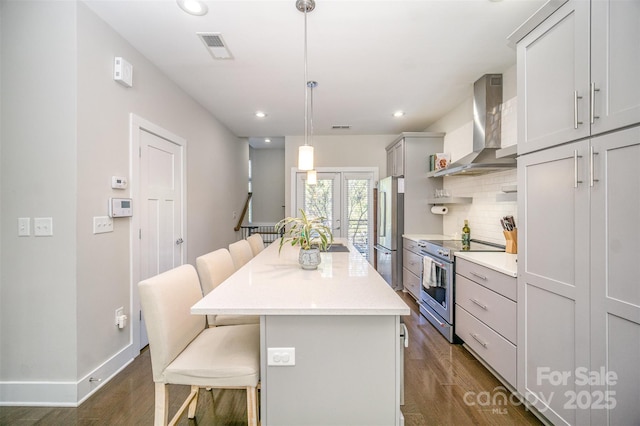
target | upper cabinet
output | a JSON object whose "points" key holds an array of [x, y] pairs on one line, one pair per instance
{"points": [[395, 158], [408, 156], [577, 73]]}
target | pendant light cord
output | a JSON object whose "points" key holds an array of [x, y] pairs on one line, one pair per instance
{"points": [[306, 92]]}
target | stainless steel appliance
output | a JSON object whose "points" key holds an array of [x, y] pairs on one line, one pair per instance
{"points": [[437, 288], [390, 229]]}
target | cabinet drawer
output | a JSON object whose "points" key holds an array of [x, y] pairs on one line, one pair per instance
{"points": [[494, 280], [411, 283], [494, 310], [412, 262], [494, 349], [410, 245]]}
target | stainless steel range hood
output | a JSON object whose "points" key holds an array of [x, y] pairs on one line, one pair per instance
{"points": [[487, 118]]}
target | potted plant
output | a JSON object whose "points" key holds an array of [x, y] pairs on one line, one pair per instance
{"points": [[310, 233]]}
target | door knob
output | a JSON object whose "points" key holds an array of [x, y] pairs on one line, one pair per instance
{"points": [[179, 241]]}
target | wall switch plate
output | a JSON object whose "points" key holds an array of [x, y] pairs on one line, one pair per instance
{"points": [[102, 224], [24, 226], [281, 356], [43, 226]]}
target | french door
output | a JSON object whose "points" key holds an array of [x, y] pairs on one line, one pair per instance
{"points": [[345, 199]]}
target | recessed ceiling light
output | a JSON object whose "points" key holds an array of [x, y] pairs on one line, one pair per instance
{"points": [[261, 114], [267, 140], [398, 114], [193, 7]]}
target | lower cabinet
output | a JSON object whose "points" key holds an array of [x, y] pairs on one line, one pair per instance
{"points": [[486, 312], [411, 267]]}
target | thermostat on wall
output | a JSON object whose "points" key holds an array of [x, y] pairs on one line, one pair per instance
{"points": [[118, 182], [120, 207]]}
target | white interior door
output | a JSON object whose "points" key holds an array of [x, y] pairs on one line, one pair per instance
{"points": [[160, 216]]}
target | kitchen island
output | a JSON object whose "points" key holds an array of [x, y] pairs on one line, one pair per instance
{"points": [[330, 338]]}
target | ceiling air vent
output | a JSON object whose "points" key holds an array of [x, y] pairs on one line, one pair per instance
{"points": [[341, 126], [215, 45]]}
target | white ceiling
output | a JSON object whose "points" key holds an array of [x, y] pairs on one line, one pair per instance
{"points": [[370, 58]]}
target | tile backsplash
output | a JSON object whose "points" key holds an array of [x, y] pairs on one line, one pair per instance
{"points": [[484, 212]]}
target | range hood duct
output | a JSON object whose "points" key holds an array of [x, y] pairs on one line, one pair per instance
{"points": [[487, 129]]}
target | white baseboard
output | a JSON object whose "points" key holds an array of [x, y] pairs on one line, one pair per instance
{"points": [[63, 394]]}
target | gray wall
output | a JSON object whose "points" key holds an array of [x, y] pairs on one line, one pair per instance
{"points": [[267, 182], [64, 133]]}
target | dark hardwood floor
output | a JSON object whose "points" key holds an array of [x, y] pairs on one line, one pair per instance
{"points": [[442, 381]]}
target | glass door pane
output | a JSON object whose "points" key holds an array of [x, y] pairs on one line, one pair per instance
{"points": [[344, 198], [358, 211], [321, 199]]}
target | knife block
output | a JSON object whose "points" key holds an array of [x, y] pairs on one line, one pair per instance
{"points": [[512, 241]]}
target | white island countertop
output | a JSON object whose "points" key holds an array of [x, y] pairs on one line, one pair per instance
{"points": [[505, 263], [274, 284]]}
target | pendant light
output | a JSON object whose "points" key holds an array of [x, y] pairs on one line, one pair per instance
{"points": [[305, 152], [312, 177]]}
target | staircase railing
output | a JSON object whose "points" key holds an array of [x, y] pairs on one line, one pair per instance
{"points": [[244, 212]]}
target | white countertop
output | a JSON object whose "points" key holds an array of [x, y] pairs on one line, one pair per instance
{"points": [[418, 237], [272, 284], [498, 261]]}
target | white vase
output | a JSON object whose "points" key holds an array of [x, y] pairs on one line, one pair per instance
{"points": [[309, 259]]}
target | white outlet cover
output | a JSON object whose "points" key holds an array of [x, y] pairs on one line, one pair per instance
{"points": [[281, 357], [43, 226]]}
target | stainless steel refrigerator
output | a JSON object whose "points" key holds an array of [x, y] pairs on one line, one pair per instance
{"points": [[390, 229]]}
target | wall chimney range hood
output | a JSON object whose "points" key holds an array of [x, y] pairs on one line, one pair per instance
{"points": [[487, 117]]}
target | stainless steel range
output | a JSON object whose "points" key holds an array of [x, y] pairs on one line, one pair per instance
{"points": [[437, 289]]}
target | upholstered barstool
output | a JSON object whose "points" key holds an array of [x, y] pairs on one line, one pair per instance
{"points": [[185, 352], [214, 268], [241, 253], [256, 242]]}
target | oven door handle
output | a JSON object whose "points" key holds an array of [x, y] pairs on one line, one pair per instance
{"points": [[441, 265]]}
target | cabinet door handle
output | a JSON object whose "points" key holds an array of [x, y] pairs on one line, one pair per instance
{"points": [[575, 168], [575, 109], [482, 277], [475, 337], [591, 154], [478, 303], [593, 103]]}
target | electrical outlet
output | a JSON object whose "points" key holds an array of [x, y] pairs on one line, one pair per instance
{"points": [[119, 313], [281, 356], [43, 226]]}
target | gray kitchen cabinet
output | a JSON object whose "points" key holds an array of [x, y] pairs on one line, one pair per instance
{"points": [[415, 149], [486, 316], [578, 300], [411, 268], [395, 158], [577, 73], [615, 274]]}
